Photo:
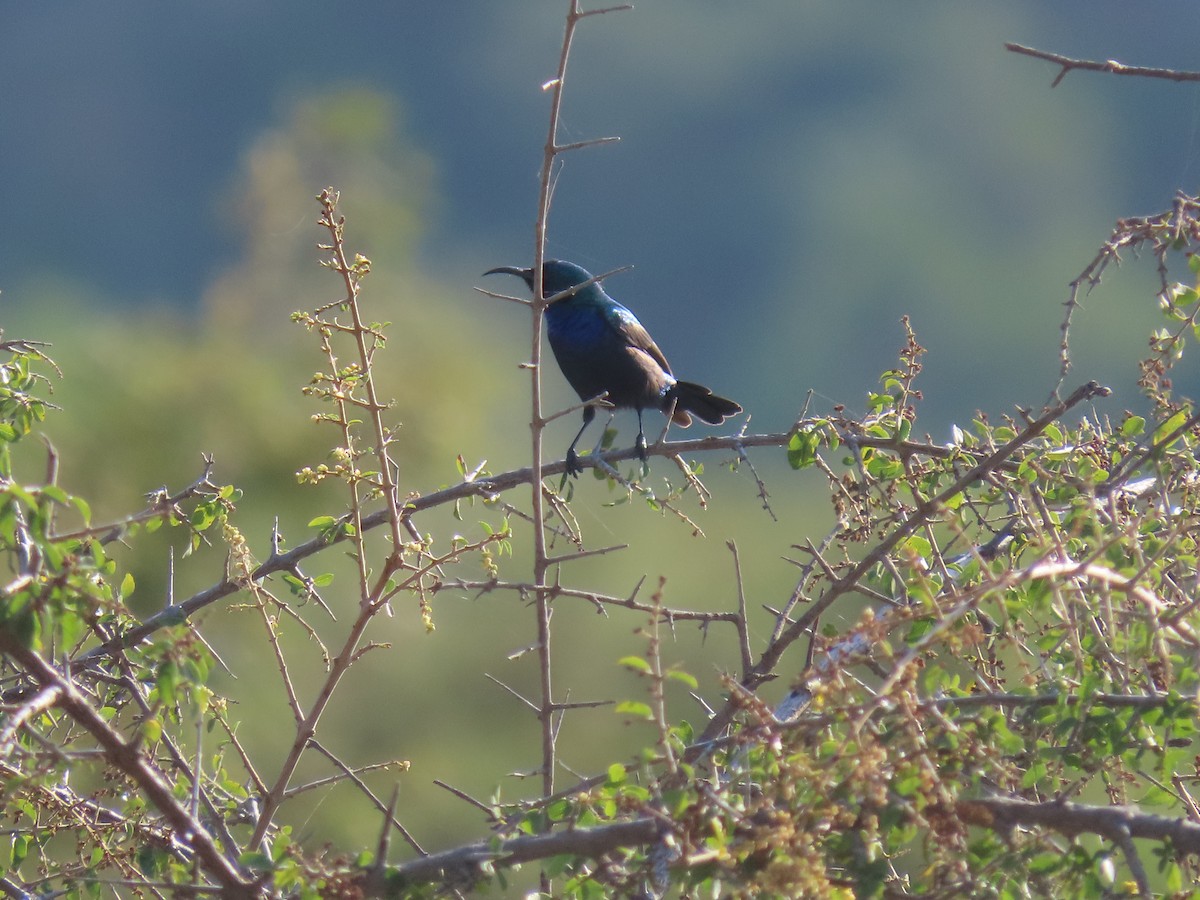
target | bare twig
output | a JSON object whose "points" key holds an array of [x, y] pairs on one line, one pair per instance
{"points": [[742, 622], [464, 796], [388, 810], [541, 560], [39, 703], [1162, 232], [1109, 65]]}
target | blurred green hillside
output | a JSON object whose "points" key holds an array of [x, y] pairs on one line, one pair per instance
{"points": [[792, 177]]}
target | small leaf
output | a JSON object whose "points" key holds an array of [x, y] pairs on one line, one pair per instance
{"points": [[802, 449], [1170, 426], [1134, 425], [152, 731], [683, 678], [167, 680], [203, 516], [256, 862], [84, 509], [558, 810], [634, 662], [20, 849], [633, 708], [71, 628]]}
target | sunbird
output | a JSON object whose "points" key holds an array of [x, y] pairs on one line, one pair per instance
{"points": [[602, 348]]}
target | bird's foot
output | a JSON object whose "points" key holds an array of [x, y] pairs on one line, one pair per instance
{"points": [[573, 468], [640, 447]]}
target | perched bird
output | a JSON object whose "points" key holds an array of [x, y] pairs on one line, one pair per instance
{"points": [[602, 348]]}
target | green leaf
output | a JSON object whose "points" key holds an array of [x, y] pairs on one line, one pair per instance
{"points": [[203, 516], [256, 861], [27, 628], [84, 510], [557, 810], [683, 678], [1174, 878], [634, 662], [167, 680], [1034, 774], [633, 708], [802, 449], [152, 731], [1134, 425], [554, 866], [1045, 864], [54, 492], [616, 773], [71, 627], [150, 861], [1182, 295], [20, 849], [885, 468], [1171, 425], [917, 545]]}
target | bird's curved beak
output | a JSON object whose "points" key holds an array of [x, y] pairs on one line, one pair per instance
{"points": [[524, 274]]}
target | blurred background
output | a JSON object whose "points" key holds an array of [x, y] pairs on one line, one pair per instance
{"points": [[791, 179]]}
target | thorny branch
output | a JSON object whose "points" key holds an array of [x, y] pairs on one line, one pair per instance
{"points": [[130, 759], [1162, 233], [924, 513], [486, 487], [541, 562]]}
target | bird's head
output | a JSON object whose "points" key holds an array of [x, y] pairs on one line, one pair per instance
{"points": [[558, 275]]}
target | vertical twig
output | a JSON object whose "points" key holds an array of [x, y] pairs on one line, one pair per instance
{"points": [[373, 586], [541, 562], [658, 696], [537, 423], [742, 623], [350, 273]]}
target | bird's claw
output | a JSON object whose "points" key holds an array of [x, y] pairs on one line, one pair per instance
{"points": [[573, 468], [640, 447]]}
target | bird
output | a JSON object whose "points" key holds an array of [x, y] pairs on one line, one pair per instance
{"points": [[602, 349]]}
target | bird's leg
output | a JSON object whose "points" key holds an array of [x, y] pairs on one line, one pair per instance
{"points": [[640, 443], [573, 466]]}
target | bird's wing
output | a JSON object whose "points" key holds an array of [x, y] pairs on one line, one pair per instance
{"points": [[626, 324]]}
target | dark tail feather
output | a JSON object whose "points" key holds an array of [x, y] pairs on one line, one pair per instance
{"points": [[700, 402]]}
